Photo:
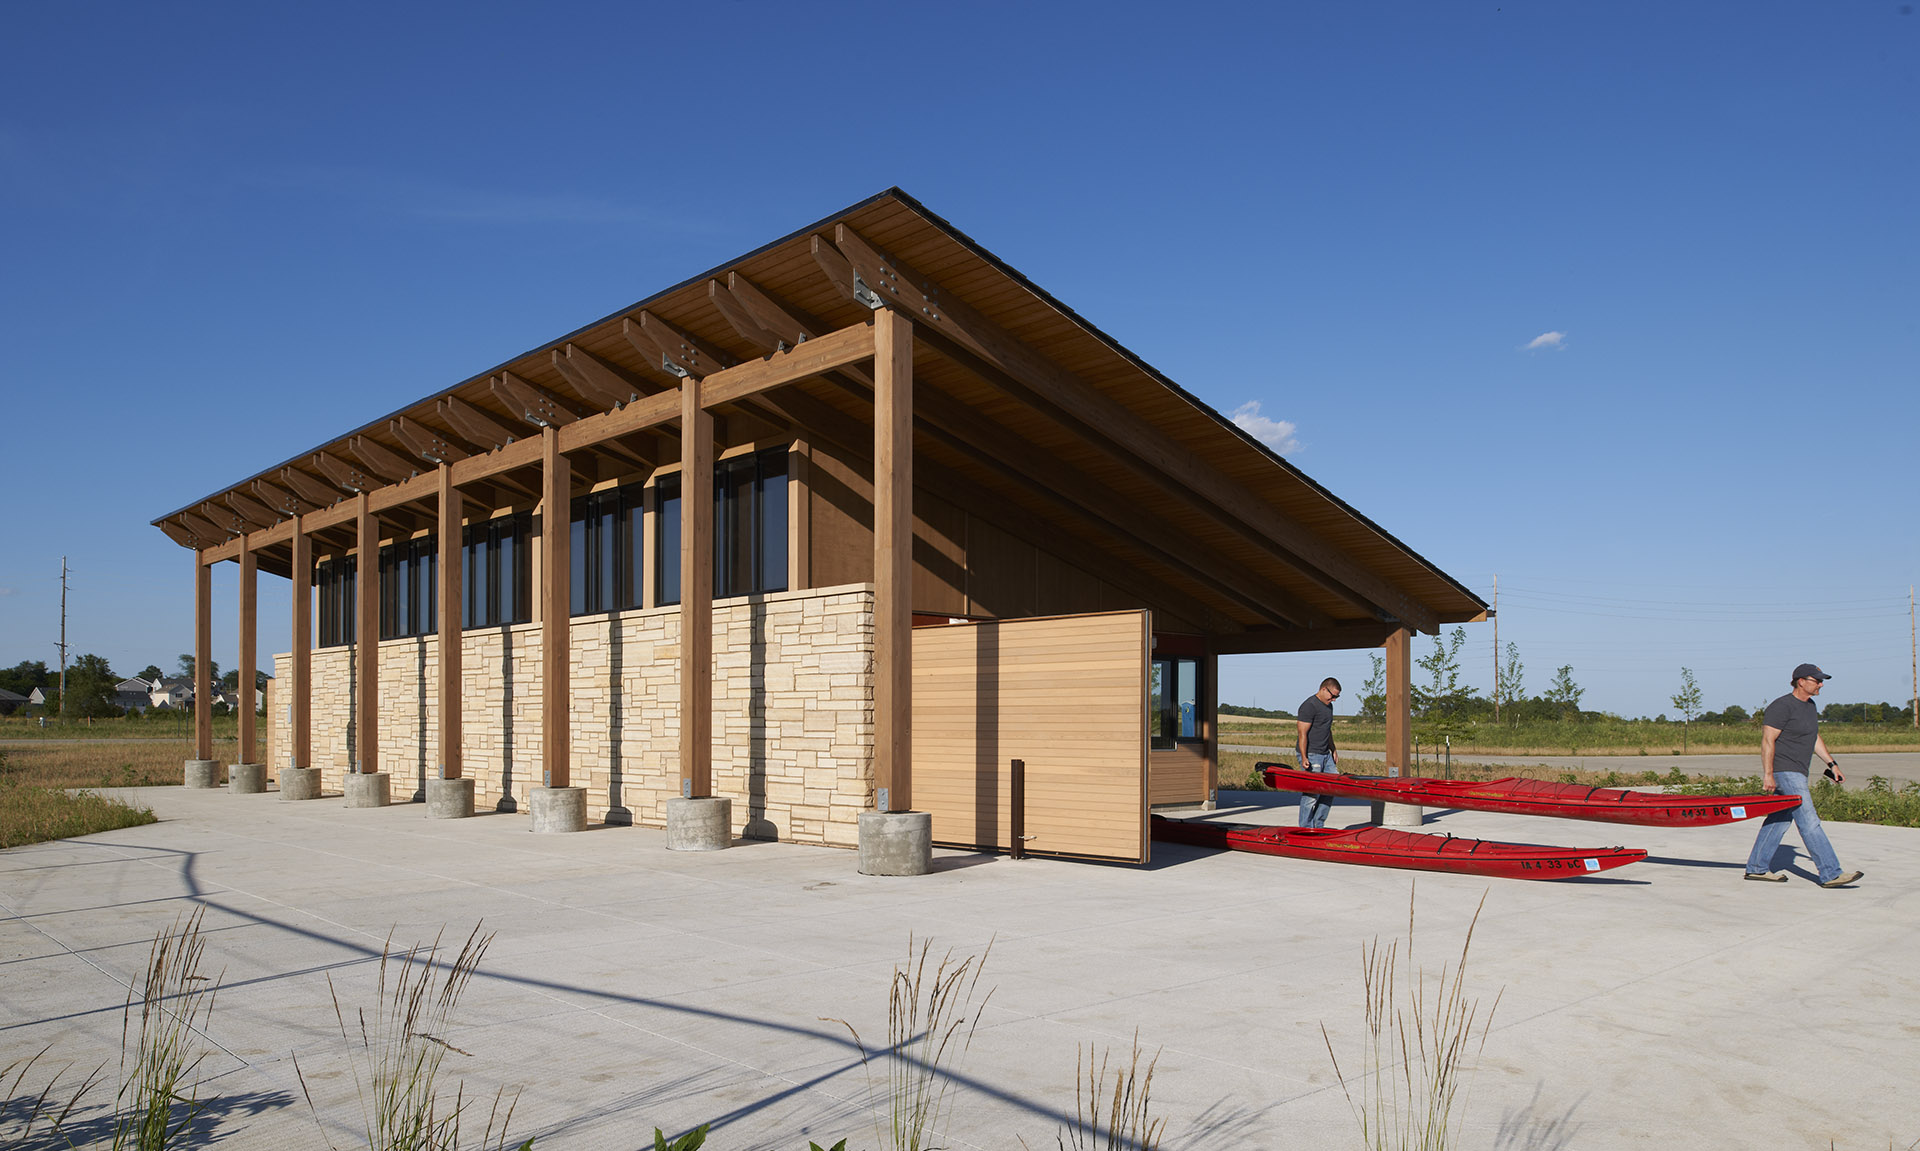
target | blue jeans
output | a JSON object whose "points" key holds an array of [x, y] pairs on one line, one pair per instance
{"points": [[1811, 833], [1314, 808]]}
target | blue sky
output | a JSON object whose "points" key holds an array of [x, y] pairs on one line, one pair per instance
{"points": [[234, 231]]}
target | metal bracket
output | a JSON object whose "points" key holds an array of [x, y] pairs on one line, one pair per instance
{"points": [[880, 800], [686, 789], [866, 295]]}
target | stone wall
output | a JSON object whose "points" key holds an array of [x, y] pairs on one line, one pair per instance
{"points": [[792, 722]]}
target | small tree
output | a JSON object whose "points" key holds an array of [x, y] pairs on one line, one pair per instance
{"points": [[1565, 693], [1686, 701], [1513, 679], [1373, 693]]}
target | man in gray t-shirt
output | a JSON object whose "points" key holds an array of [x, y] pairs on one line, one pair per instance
{"points": [[1789, 739], [1315, 745]]}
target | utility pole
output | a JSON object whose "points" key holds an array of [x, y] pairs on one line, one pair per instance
{"points": [[1496, 647], [1913, 640], [63, 635]]}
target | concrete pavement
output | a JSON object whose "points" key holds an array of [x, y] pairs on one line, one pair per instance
{"points": [[1665, 1004]]}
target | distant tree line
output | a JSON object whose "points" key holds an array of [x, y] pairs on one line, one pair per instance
{"points": [[91, 681]]}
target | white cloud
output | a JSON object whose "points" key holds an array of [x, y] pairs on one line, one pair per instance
{"points": [[1280, 435], [6, 591], [1555, 340]]}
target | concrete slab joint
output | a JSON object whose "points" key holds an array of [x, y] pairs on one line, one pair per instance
{"points": [[896, 842], [203, 773], [369, 790], [704, 824], [558, 809], [449, 798], [247, 778], [299, 783]]}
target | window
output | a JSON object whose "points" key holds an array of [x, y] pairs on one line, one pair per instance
{"points": [[496, 572], [606, 550], [749, 527], [408, 588], [1173, 702], [335, 580]]}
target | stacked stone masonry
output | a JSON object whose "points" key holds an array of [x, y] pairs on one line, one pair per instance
{"points": [[792, 713]]}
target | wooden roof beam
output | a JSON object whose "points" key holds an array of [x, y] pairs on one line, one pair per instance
{"points": [[344, 475], [855, 440], [671, 350], [425, 442], [309, 488], [280, 499], [874, 278], [601, 383], [538, 407], [474, 425], [179, 534], [1340, 637], [255, 513], [381, 460]]}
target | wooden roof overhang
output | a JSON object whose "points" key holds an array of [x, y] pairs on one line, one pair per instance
{"points": [[1025, 414]]}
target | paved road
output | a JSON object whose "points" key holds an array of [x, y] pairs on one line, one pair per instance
{"points": [[1898, 767]]}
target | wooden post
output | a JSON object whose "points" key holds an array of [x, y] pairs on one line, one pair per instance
{"points": [[451, 554], [892, 561], [696, 594], [202, 658], [249, 641], [366, 655], [556, 581], [1399, 647], [299, 692], [1210, 718]]}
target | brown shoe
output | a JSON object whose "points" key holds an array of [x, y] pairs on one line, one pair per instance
{"points": [[1767, 876], [1843, 879]]}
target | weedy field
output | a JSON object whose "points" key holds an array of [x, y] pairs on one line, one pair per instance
{"points": [[1574, 737]]}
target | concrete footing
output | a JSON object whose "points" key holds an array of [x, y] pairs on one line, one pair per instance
{"points": [[449, 798], [203, 773], [299, 783], [896, 842], [1398, 815], [369, 790], [704, 824], [247, 778], [557, 809]]}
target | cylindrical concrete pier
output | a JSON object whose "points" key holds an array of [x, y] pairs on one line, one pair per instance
{"points": [[1402, 815], [299, 783], [704, 824], [375, 790], [449, 798], [896, 842], [557, 809], [203, 773], [247, 778]]}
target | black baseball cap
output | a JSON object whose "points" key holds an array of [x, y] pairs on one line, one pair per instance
{"points": [[1808, 671]]}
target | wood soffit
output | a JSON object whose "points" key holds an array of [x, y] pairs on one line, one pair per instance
{"points": [[621, 375]]}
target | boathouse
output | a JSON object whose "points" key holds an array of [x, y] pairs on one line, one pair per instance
{"points": [[851, 524]]}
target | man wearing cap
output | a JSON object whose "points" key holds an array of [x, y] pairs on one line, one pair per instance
{"points": [[1789, 739]]}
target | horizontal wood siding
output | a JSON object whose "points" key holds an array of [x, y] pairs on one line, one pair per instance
{"points": [[1067, 695], [1178, 774]]}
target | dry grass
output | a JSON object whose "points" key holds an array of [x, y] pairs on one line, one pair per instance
{"points": [[1116, 1118], [75, 764]]}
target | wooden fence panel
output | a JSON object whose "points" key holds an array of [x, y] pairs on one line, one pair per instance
{"points": [[1066, 694]]}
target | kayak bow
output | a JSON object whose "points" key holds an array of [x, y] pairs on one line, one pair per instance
{"points": [[1412, 850]]}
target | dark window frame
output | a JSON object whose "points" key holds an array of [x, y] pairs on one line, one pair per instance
{"points": [[607, 549], [750, 494], [493, 549], [409, 588], [1165, 723]]}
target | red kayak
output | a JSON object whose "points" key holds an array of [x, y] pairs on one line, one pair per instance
{"points": [[1413, 850], [1535, 797]]}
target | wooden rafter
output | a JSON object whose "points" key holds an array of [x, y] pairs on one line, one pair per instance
{"points": [[345, 475], [225, 518], [854, 441], [207, 533], [258, 515], [425, 442], [601, 383], [957, 330], [675, 352], [309, 488], [280, 499], [474, 425], [381, 460], [538, 407], [179, 534], [743, 321]]}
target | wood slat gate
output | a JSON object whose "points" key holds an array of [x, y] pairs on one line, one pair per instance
{"points": [[1065, 694]]}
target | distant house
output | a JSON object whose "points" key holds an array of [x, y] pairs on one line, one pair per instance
{"points": [[37, 697], [11, 702], [171, 693], [133, 695]]}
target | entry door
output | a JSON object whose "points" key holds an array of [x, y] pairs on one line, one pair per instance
{"points": [[1066, 694]]}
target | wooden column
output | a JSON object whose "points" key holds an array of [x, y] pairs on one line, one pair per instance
{"points": [[202, 658], [556, 582], [696, 594], [1399, 647], [451, 553], [892, 561], [249, 641], [1210, 717], [366, 653], [299, 695]]}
